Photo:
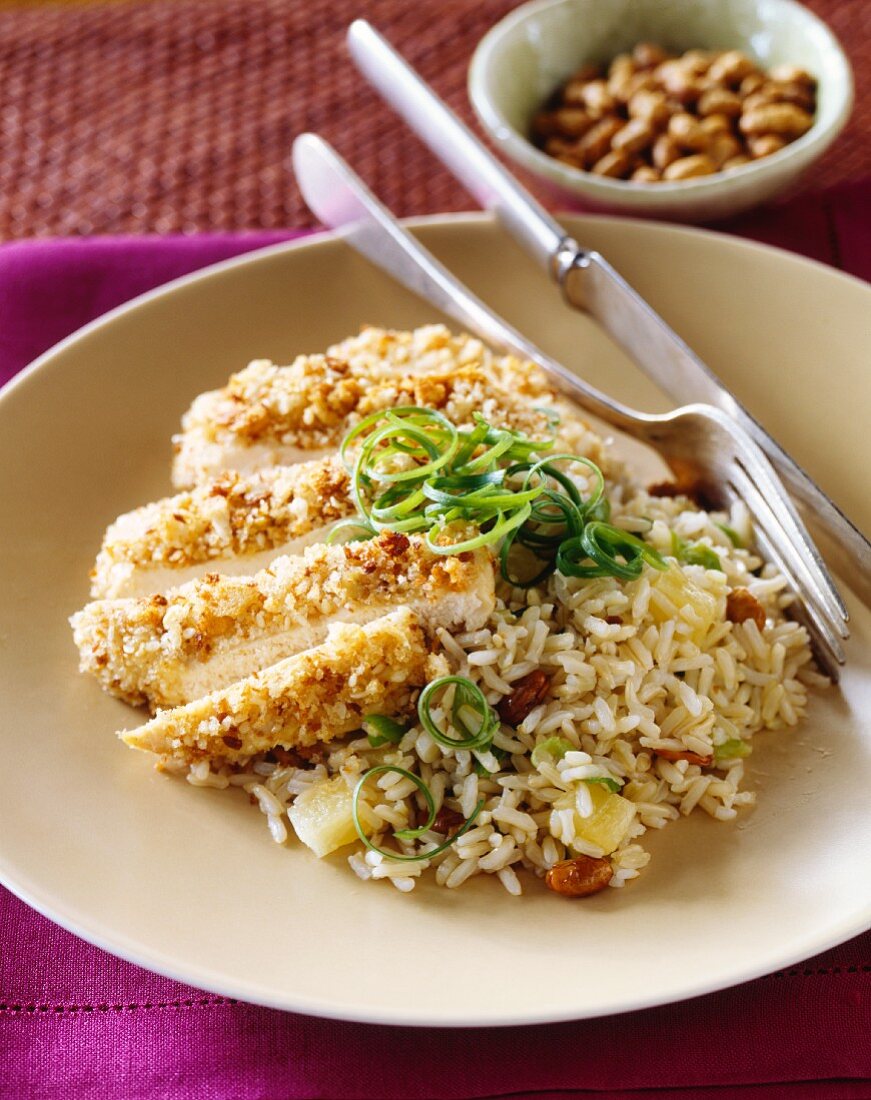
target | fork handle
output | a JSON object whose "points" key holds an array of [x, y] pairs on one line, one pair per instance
{"points": [[457, 147]]}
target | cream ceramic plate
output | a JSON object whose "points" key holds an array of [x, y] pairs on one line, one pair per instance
{"points": [[187, 882]]}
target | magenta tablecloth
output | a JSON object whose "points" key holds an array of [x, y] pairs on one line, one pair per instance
{"points": [[79, 1023]]}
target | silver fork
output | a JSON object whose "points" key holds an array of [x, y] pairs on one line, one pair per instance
{"points": [[699, 437]]}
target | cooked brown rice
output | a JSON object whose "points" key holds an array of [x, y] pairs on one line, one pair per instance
{"points": [[631, 672]]}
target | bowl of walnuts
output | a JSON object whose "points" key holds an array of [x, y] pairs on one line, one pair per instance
{"points": [[680, 109]]}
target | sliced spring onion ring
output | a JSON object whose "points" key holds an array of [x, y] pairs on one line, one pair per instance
{"points": [[546, 465], [605, 546], [557, 514], [462, 489], [613, 785], [414, 412], [500, 446], [469, 704], [407, 834], [359, 530], [504, 524], [381, 729], [695, 553]]}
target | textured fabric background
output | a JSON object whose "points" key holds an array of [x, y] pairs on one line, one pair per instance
{"points": [[178, 115], [99, 1029]]}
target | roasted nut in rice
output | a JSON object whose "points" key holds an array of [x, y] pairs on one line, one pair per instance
{"points": [[579, 877], [742, 605]]}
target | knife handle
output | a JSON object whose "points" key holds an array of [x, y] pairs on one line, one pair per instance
{"points": [[457, 147]]}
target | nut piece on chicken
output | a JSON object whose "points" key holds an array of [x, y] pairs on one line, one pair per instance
{"points": [[269, 415], [320, 694], [171, 649], [233, 524]]}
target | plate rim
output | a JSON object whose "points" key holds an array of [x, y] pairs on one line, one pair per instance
{"points": [[335, 1008], [319, 234]]}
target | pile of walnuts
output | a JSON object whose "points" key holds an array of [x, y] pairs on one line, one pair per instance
{"points": [[651, 116]]}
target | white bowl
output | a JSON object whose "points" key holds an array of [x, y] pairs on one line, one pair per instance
{"points": [[520, 62]]}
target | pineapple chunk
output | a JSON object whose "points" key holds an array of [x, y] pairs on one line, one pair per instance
{"points": [[607, 825], [322, 817], [694, 605]]}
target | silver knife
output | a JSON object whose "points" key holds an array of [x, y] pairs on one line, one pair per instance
{"points": [[589, 283]]}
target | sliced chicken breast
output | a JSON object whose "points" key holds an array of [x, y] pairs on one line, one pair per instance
{"points": [[268, 414], [173, 648], [234, 524], [376, 352], [315, 696]]}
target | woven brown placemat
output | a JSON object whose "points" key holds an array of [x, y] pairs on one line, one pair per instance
{"points": [[139, 116]]}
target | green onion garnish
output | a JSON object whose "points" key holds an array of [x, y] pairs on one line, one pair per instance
{"points": [[416, 472], [407, 834], [612, 785], [552, 748], [382, 729], [471, 715], [732, 750], [731, 534], [694, 553], [605, 551]]}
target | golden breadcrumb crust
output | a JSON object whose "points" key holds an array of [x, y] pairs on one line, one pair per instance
{"points": [[151, 650], [266, 410], [313, 697], [231, 515]]}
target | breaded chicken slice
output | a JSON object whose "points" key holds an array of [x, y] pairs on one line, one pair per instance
{"points": [[315, 696], [268, 415], [233, 524], [171, 649], [377, 352]]}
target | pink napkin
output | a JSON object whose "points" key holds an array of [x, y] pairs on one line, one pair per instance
{"points": [[77, 1023]]}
